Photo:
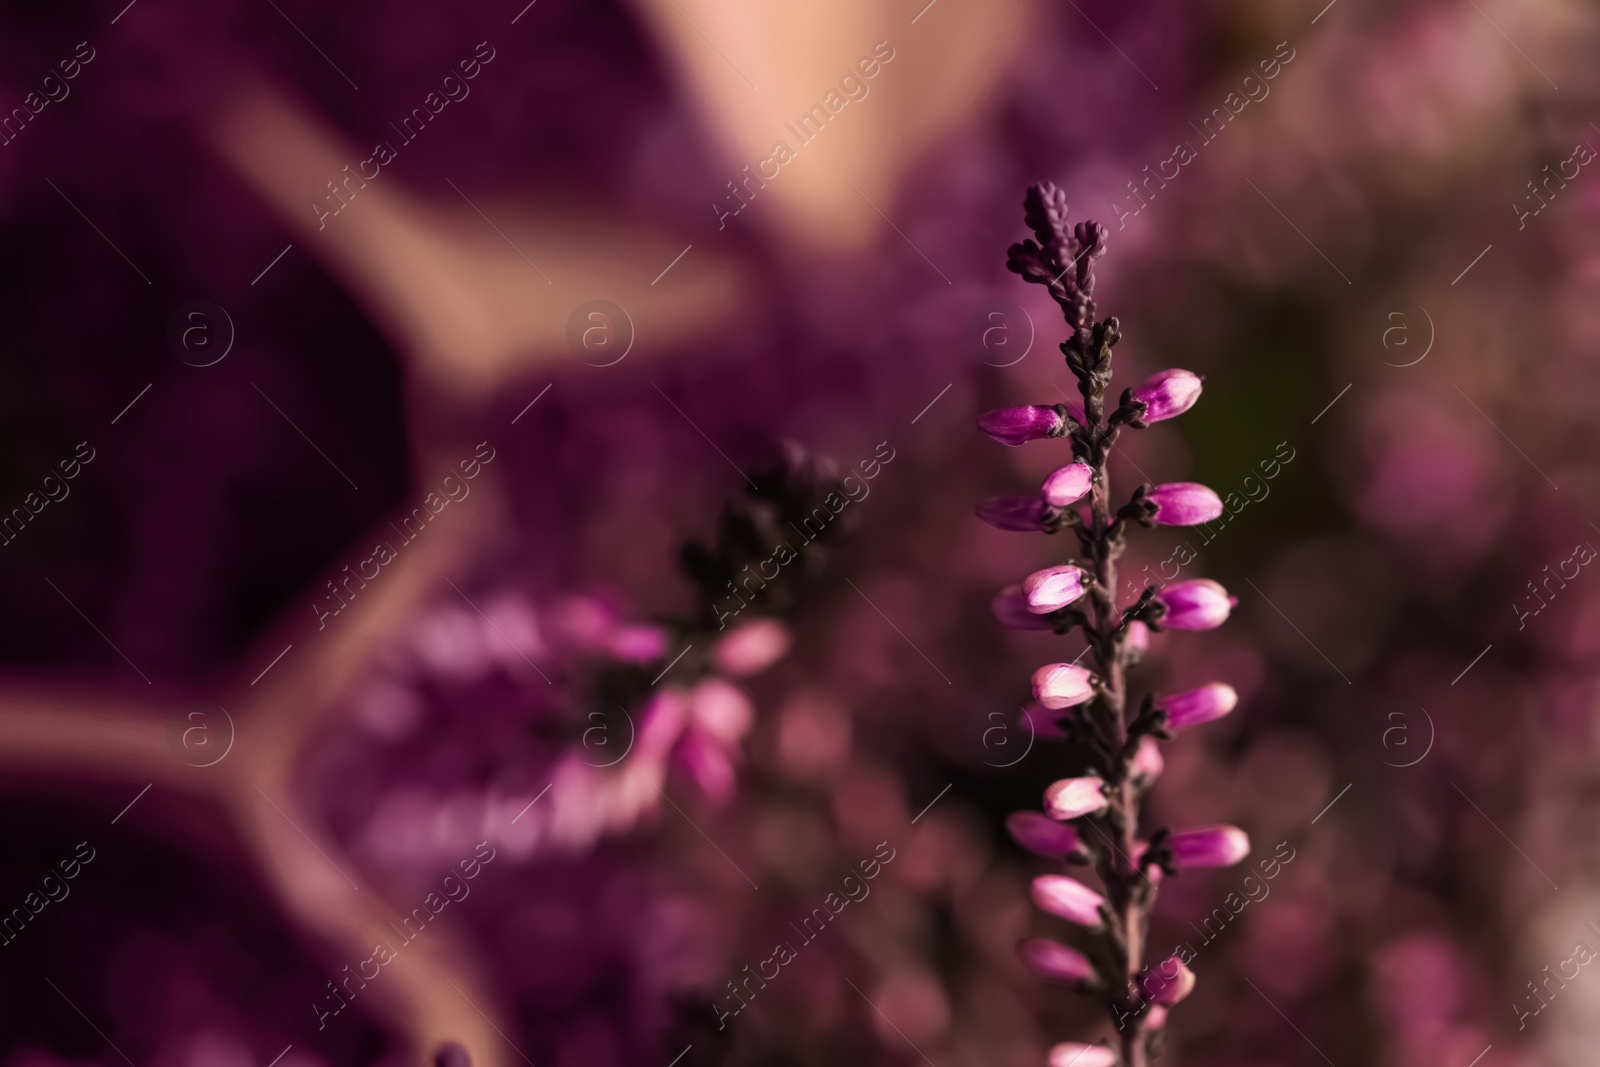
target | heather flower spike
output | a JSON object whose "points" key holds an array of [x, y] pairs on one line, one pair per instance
{"points": [[1115, 739]]}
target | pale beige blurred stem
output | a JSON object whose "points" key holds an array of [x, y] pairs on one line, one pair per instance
{"points": [[74, 733]]}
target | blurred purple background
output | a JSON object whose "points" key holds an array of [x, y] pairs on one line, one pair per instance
{"points": [[1370, 263]]}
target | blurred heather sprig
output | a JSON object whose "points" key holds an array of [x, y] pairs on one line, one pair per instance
{"points": [[1089, 705]]}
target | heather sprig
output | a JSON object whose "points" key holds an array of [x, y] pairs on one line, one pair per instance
{"points": [[1096, 810]]}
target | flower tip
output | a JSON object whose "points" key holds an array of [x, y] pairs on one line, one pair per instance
{"points": [[1169, 393], [1184, 503], [1196, 706], [1076, 1054], [1071, 798], [1052, 959], [1062, 685], [1067, 485], [1196, 604], [1053, 588], [1042, 835], [1168, 982], [1209, 846], [752, 648], [1018, 425], [1067, 898]]}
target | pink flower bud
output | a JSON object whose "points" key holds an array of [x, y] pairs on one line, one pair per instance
{"points": [[1061, 685], [1053, 588], [1195, 706], [1198, 604], [1168, 982], [721, 710], [752, 648], [1011, 608], [1071, 798], [1155, 1018], [1020, 513], [1147, 761], [1074, 1054], [1138, 639], [1042, 835], [1184, 503], [1168, 393], [1068, 484], [1052, 959], [1067, 898], [1019, 425], [1210, 846]]}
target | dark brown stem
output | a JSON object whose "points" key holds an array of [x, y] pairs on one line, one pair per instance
{"points": [[1119, 869]]}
